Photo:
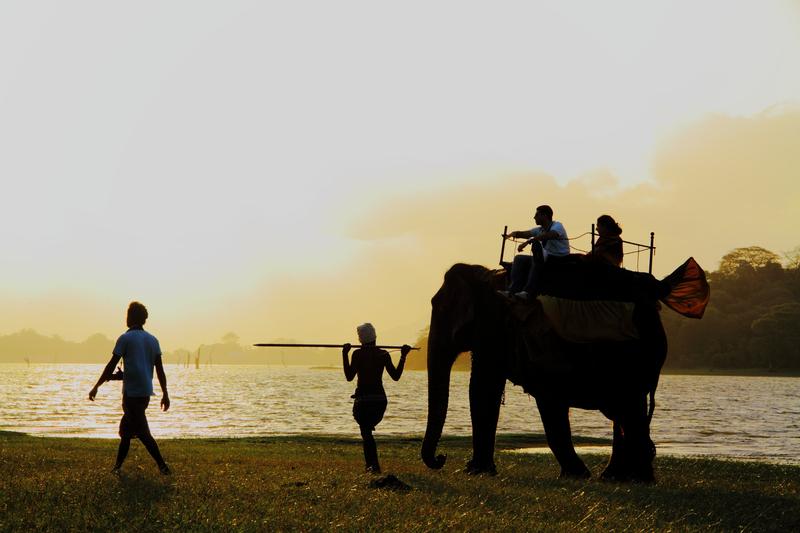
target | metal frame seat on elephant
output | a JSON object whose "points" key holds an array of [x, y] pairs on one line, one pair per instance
{"points": [[518, 342]]}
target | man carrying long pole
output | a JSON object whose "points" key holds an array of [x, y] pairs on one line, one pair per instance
{"points": [[368, 363]]}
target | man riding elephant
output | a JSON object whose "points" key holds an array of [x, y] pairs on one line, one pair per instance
{"points": [[548, 239]]}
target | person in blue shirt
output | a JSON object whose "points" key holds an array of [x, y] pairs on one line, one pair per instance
{"points": [[548, 239], [140, 354]]}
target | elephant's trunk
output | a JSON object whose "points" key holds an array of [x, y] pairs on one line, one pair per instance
{"points": [[440, 362]]}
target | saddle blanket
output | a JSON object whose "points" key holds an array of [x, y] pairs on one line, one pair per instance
{"points": [[590, 320]]}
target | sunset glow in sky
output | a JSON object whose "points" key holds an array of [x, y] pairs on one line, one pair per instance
{"points": [[294, 169]]}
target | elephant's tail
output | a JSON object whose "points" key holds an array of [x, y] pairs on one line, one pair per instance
{"points": [[650, 410], [652, 407]]}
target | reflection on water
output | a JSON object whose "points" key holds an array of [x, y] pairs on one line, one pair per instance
{"points": [[740, 417]]}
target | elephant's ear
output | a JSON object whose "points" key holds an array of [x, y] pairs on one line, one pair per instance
{"points": [[454, 303], [463, 314]]}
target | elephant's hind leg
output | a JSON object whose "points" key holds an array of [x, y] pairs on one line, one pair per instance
{"points": [[638, 450], [555, 419], [617, 468]]}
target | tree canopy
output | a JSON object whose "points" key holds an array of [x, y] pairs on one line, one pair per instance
{"points": [[750, 257], [752, 321]]}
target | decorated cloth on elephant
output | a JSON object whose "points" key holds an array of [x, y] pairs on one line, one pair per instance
{"points": [[685, 290], [590, 320], [576, 279], [689, 290]]}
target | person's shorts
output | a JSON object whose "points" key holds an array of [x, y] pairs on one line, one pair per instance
{"points": [[368, 409], [134, 421]]}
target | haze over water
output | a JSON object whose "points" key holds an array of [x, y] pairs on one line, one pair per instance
{"points": [[753, 418]]}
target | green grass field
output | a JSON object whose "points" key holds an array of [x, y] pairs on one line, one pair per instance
{"points": [[318, 483]]}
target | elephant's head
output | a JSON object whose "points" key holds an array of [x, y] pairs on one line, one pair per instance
{"points": [[453, 329]]}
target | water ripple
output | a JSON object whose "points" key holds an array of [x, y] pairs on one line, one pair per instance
{"points": [[739, 417]]}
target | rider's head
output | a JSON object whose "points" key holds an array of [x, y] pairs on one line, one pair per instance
{"points": [[543, 215], [606, 225]]}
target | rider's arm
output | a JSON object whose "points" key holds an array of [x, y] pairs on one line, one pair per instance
{"points": [[556, 232], [521, 234], [547, 235]]}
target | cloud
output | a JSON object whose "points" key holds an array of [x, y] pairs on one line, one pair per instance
{"points": [[720, 183], [728, 182]]}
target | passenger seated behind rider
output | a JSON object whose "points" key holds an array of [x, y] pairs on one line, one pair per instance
{"points": [[608, 248], [548, 239]]}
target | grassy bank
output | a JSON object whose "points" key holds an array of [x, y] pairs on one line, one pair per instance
{"points": [[317, 483]]}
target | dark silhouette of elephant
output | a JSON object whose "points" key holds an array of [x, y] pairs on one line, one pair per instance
{"points": [[515, 342]]}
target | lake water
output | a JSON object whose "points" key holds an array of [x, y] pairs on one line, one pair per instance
{"points": [[749, 418]]}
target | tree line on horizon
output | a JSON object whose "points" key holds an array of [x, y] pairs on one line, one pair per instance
{"points": [[752, 322], [28, 345]]}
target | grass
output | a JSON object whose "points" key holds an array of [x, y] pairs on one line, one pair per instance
{"points": [[746, 372], [317, 483]]}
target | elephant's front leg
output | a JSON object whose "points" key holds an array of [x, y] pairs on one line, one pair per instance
{"points": [[555, 419], [485, 392]]}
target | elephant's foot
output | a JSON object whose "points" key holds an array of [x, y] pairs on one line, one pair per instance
{"points": [[637, 471], [643, 474], [474, 468], [615, 471], [641, 468], [620, 474], [575, 473], [617, 468]]}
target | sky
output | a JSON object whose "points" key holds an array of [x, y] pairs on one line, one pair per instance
{"points": [[291, 170]]}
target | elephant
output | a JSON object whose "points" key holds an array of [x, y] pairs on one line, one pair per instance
{"points": [[515, 342]]}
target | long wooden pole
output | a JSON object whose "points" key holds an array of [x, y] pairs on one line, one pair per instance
{"points": [[293, 345], [503, 246]]}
